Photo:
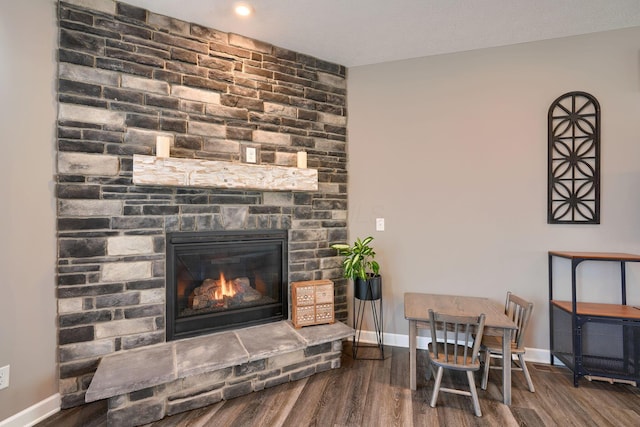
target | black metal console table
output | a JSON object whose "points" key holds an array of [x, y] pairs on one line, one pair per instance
{"points": [[594, 339]]}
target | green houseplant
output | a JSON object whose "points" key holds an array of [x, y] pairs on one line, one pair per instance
{"points": [[360, 265]]}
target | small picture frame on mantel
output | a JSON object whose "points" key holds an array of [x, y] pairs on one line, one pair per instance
{"points": [[250, 153]]}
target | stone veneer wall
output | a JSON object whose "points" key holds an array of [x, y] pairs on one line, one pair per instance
{"points": [[126, 76]]}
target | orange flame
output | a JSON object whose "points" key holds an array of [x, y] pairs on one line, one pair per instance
{"points": [[226, 289]]}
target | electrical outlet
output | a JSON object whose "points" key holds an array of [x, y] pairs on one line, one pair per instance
{"points": [[4, 377]]}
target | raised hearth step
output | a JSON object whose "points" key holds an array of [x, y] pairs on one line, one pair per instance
{"points": [[132, 370]]}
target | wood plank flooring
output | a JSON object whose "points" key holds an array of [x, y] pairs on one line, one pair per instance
{"points": [[376, 393]]}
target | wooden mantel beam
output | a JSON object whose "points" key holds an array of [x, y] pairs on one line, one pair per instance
{"points": [[179, 172]]}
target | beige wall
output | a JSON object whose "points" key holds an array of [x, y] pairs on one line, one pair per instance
{"points": [[451, 150], [27, 216]]}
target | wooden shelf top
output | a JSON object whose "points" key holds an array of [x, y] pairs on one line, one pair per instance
{"points": [[601, 310], [596, 256]]}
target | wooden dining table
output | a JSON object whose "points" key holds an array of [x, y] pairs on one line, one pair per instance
{"points": [[416, 311]]}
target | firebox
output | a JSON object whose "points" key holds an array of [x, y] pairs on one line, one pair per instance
{"points": [[224, 280]]}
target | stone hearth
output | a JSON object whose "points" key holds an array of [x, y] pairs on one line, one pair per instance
{"points": [[196, 372]]}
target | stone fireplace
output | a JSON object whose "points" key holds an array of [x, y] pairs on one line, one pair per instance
{"points": [[127, 76], [224, 280]]}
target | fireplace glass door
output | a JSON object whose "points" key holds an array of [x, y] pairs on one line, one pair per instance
{"points": [[225, 280]]}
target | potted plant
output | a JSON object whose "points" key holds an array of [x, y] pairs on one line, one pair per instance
{"points": [[360, 266]]}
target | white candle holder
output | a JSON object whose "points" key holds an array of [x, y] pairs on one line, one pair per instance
{"points": [[302, 159], [163, 146]]}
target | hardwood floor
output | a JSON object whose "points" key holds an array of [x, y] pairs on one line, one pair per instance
{"points": [[376, 393]]}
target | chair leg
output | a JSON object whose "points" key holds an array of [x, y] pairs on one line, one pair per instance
{"points": [[474, 394], [431, 370], [436, 386], [485, 371], [525, 370]]}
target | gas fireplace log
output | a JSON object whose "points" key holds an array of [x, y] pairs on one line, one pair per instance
{"points": [[243, 286], [216, 293]]}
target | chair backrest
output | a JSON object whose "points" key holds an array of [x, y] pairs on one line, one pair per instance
{"points": [[519, 311], [459, 336]]}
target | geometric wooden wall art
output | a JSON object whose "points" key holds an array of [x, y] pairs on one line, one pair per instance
{"points": [[574, 160]]}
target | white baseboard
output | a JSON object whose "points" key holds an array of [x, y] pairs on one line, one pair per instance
{"points": [[34, 414], [533, 355]]}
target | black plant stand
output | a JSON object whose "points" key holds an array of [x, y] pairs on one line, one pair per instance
{"points": [[374, 297]]}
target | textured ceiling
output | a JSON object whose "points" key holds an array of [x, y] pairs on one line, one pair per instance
{"points": [[361, 32]]}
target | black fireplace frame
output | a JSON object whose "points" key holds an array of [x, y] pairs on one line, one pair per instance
{"points": [[177, 328]]}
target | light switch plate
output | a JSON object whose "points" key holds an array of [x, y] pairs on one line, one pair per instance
{"points": [[4, 377], [379, 224]]}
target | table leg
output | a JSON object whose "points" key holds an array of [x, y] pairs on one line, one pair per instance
{"points": [[506, 366], [413, 326]]}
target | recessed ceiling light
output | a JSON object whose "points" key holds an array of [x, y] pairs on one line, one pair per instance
{"points": [[243, 9]]}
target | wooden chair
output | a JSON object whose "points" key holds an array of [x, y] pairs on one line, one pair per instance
{"points": [[455, 349], [518, 310]]}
